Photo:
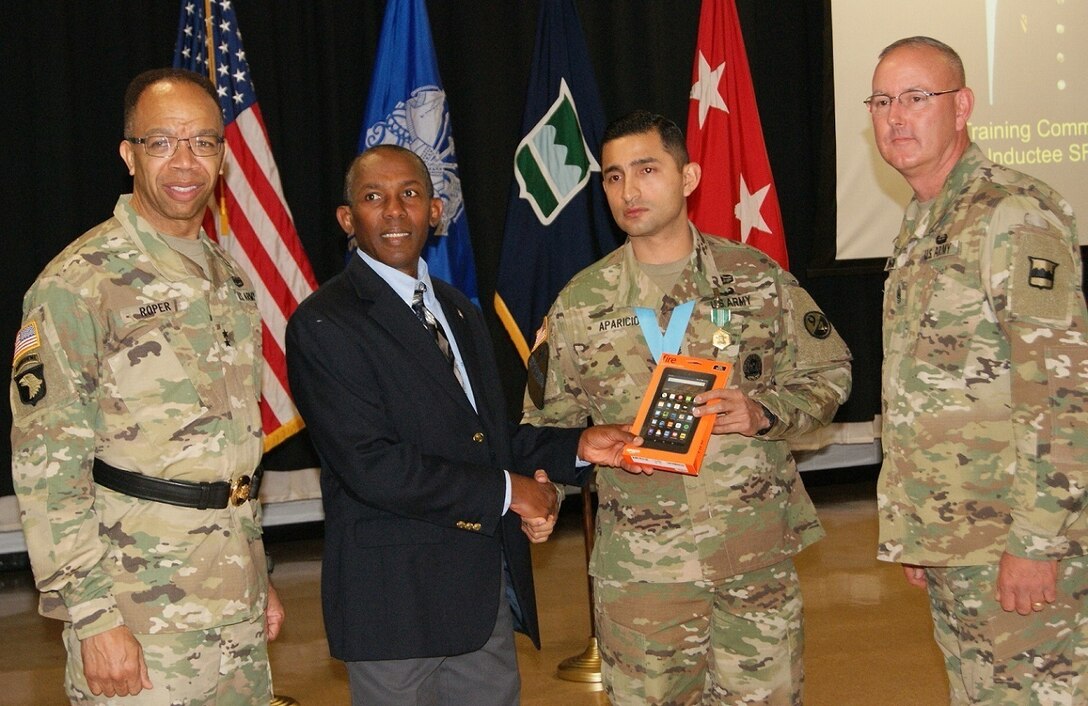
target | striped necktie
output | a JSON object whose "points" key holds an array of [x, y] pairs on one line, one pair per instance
{"points": [[435, 328]]}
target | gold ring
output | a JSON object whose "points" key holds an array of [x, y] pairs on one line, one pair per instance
{"points": [[1036, 606]]}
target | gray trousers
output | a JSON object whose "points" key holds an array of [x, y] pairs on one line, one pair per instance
{"points": [[486, 677]]}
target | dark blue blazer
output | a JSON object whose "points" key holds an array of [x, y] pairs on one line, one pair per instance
{"points": [[411, 475]]}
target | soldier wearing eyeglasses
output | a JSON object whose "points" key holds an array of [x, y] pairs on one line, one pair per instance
{"points": [[985, 396], [137, 431]]}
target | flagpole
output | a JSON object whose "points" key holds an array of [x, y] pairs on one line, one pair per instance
{"points": [[209, 40], [209, 52]]}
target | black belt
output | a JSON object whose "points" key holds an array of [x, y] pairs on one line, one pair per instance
{"points": [[201, 496]]}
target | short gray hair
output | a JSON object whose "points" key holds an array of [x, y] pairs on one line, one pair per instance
{"points": [[947, 53]]}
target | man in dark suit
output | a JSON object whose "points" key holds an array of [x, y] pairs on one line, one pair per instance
{"points": [[426, 573]]}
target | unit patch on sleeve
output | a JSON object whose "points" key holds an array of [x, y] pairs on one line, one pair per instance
{"points": [[817, 324], [537, 366], [29, 378]]}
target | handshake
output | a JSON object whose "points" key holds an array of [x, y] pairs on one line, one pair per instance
{"points": [[536, 500]]}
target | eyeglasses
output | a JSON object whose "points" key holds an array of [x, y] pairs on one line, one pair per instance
{"points": [[166, 146], [913, 100]]}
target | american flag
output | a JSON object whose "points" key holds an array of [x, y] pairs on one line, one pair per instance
{"points": [[259, 232], [26, 340]]}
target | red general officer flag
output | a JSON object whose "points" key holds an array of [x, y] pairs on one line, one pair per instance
{"points": [[736, 198]]}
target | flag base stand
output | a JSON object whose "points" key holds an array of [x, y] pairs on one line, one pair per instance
{"points": [[283, 701], [585, 667]]}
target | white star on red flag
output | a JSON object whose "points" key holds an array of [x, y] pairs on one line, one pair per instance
{"points": [[748, 210], [727, 142], [706, 90]]}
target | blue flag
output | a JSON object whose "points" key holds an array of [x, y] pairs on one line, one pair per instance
{"points": [[407, 107], [557, 220]]}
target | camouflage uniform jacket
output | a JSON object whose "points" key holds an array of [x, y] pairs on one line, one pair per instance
{"points": [[985, 383], [129, 353], [747, 508]]}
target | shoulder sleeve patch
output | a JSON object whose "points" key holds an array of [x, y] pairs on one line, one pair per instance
{"points": [[27, 370], [813, 335], [28, 377], [537, 373], [38, 379], [1043, 278], [26, 341], [537, 366], [817, 324]]}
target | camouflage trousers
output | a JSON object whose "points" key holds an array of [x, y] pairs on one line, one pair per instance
{"points": [[737, 642], [1007, 659], [225, 666]]}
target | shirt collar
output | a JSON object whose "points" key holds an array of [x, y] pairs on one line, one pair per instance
{"points": [[635, 283], [402, 284]]}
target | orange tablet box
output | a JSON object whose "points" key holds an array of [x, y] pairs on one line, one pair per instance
{"points": [[673, 439]]}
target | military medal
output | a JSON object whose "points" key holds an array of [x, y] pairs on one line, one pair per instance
{"points": [[720, 316]]}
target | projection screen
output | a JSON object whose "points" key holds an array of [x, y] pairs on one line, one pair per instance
{"points": [[1027, 63]]}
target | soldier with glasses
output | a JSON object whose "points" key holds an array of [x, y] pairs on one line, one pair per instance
{"points": [[985, 396], [137, 433]]}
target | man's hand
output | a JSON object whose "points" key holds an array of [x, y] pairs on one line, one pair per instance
{"points": [[537, 502], [1025, 585], [603, 444], [538, 529], [737, 412], [273, 614], [113, 663], [915, 575]]}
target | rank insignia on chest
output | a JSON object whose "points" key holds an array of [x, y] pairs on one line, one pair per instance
{"points": [[722, 280], [1041, 274]]}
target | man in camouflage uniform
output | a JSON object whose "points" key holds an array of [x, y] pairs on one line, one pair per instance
{"points": [[985, 391], [139, 357], [697, 599]]}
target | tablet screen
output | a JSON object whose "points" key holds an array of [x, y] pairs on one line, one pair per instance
{"points": [[670, 424]]}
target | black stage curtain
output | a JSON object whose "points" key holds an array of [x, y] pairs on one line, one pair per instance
{"points": [[66, 65]]}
